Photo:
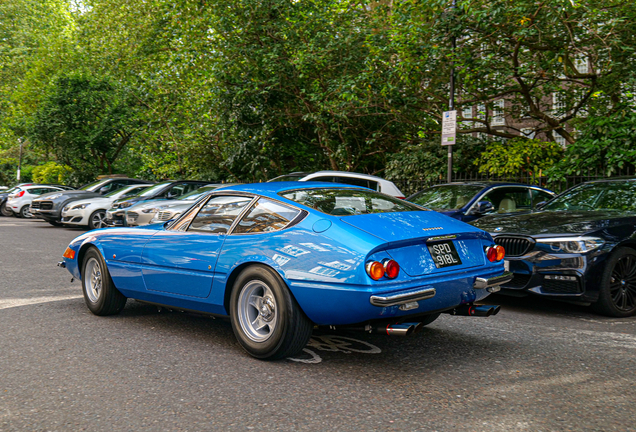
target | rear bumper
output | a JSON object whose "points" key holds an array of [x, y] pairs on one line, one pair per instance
{"points": [[340, 304], [492, 282]]}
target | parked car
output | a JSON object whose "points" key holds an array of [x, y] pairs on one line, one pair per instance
{"points": [[4, 211], [49, 206], [279, 258], [155, 211], [20, 199], [351, 178], [168, 190], [91, 212], [468, 201], [580, 246]]}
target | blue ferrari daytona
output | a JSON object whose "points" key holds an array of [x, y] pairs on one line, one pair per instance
{"points": [[281, 258]]}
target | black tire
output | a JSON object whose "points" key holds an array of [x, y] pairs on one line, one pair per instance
{"points": [[97, 219], [617, 297], [54, 223], [25, 213], [259, 293], [4, 210], [427, 319], [100, 294]]}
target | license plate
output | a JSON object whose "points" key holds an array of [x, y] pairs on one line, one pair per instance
{"points": [[444, 254]]}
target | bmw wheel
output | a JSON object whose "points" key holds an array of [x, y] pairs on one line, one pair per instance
{"points": [[97, 219], [100, 294], [266, 319], [617, 297]]}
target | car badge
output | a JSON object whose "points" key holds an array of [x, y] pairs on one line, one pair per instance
{"points": [[498, 229]]}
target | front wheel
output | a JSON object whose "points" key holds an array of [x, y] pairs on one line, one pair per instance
{"points": [[266, 319], [617, 297], [97, 219], [100, 294]]}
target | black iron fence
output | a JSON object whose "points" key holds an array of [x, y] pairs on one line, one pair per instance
{"points": [[410, 186]]}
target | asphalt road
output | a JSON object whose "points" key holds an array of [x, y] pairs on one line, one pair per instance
{"points": [[537, 366]]}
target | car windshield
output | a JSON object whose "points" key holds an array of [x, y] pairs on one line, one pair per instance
{"points": [[92, 185], [348, 202], [614, 195], [153, 190], [196, 194], [446, 197], [288, 177], [127, 191]]}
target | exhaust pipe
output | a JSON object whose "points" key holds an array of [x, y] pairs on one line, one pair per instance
{"points": [[476, 310], [396, 329]]}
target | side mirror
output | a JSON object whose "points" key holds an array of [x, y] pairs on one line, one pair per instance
{"points": [[482, 207], [541, 204], [104, 190], [171, 195]]}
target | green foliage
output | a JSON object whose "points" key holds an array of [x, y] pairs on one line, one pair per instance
{"points": [[427, 162], [606, 144], [518, 155], [86, 122], [51, 173]]}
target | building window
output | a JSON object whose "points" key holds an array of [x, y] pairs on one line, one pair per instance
{"points": [[558, 105], [580, 63], [528, 133], [498, 113], [467, 112], [559, 139]]}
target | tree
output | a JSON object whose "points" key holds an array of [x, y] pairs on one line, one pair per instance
{"points": [[86, 122]]}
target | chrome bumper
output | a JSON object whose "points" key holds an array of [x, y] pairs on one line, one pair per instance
{"points": [[490, 284], [402, 297]]}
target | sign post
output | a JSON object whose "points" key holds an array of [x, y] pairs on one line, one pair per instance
{"points": [[449, 133]]}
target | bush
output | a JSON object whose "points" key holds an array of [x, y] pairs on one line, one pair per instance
{"points": [[51, 173], [518, 156]]}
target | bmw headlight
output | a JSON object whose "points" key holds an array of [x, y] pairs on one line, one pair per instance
{"points": [[573, 244], [79, 207]]}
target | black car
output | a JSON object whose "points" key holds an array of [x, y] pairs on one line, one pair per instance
{"points": [[49, 206], [468, 201], [580, 246], [168, 190]]}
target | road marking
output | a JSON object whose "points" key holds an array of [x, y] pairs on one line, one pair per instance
{"points": [[11, 303], [333, 343]]}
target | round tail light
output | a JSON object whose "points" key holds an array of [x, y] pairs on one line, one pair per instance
{"points": [[501, 252], [391, 269], [491, 254], [375, 270]]}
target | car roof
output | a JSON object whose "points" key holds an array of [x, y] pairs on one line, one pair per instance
{"points": [[347, 174], [488, 183]]}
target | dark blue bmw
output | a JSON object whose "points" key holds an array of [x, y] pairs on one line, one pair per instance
{"points": [[580, 247]]}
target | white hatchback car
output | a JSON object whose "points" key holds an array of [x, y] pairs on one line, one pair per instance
{"points": [[20, 199], [91, 212], [365, 180]]}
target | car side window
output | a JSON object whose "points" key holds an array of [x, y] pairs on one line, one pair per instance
{"points": [[539, 196], [508, 200], [218, 214], [329, 179], [359, 182], [266, 216]]}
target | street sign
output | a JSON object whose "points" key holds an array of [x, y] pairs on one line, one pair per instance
{"points": [[449, 127]]}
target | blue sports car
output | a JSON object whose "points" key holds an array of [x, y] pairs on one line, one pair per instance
{"points": [[280, 258]]}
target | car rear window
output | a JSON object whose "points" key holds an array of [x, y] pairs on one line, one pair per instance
{"points": [[348, 202]]}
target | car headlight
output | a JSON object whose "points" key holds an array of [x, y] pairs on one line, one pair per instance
{"points": [[573, 244], [126, 204], [79, 207], [65, 209]]}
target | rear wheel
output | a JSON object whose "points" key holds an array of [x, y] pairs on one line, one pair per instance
{"points": [[97, 219], [55, 223], [617, 297], [4, 210], [266, 319], [100, 294], [25, 212]]}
